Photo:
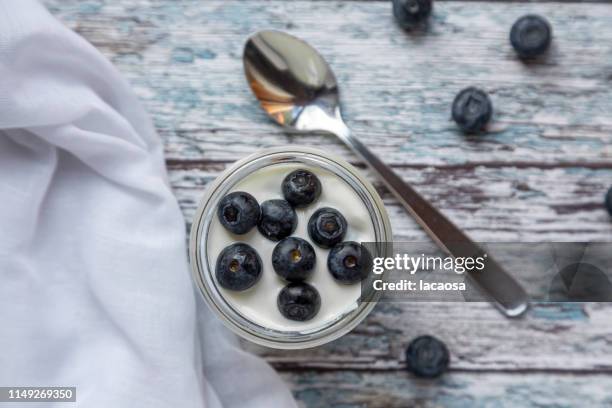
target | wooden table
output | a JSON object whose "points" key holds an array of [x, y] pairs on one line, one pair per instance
{"points": [[540, 175]]}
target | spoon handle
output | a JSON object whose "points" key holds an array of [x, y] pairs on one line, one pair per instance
{"points": [[502, 288]]}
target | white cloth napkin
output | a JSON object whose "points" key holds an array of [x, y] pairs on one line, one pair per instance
{"points": [[95, 290]]}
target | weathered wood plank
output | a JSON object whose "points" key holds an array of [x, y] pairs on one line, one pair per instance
{"points": [[503, 204], [465, 390], [184, 60], [551, 337]]}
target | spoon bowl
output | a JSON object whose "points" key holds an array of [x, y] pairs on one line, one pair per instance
{"points": [[288, 76]]}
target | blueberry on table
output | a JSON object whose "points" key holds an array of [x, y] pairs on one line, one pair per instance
{"points": [[349, 262], [427, 357], [609, 201], [301, 188], [411, 13], [327, 227], [278, 219], [472, 110], [293, 259], [238, 267], [238, 212], [530, 36], [299, 301]]}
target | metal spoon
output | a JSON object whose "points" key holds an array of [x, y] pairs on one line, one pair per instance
{"points": [[298, 89]]}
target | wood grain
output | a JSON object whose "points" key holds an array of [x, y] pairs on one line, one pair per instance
{"points": [[458, 389], [493, 204], [539, 175], [184, 60]]}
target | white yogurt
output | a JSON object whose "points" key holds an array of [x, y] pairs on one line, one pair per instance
{"points": [[258, 303]]}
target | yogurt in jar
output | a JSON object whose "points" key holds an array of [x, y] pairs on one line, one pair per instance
{"points": [[259, 303]]}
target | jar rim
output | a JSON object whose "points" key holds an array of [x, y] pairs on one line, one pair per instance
{"points": [[200, 266]]}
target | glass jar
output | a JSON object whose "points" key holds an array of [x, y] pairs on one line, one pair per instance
{"points": [[202, 261]]}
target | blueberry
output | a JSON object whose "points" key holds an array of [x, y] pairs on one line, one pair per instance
{"points": [[278, 219], [349, 262], [238, 212], [299, 301], [472, 110], [427, 357], [301, 188], [580, 282], [327, 227], [609, 201], [411, 13], [293, 259], [530, 36], [238, 267]]}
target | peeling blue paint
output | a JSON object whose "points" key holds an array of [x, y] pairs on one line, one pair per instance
{"points": [[187, 55], [205, 54], [311, 397], [89, 7], [559, 311], [181, 98], [182, 55], [127, 58]]}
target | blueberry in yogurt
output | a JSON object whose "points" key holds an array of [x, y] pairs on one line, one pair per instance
{"points": [[301, 187], [327, 227], [238, 267], [530, 36], [411, 13], [293, 259], [238, 212], [427, 357], [472, 110], [349, 262], [278, 219], [608, 201], [299, 301]]}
